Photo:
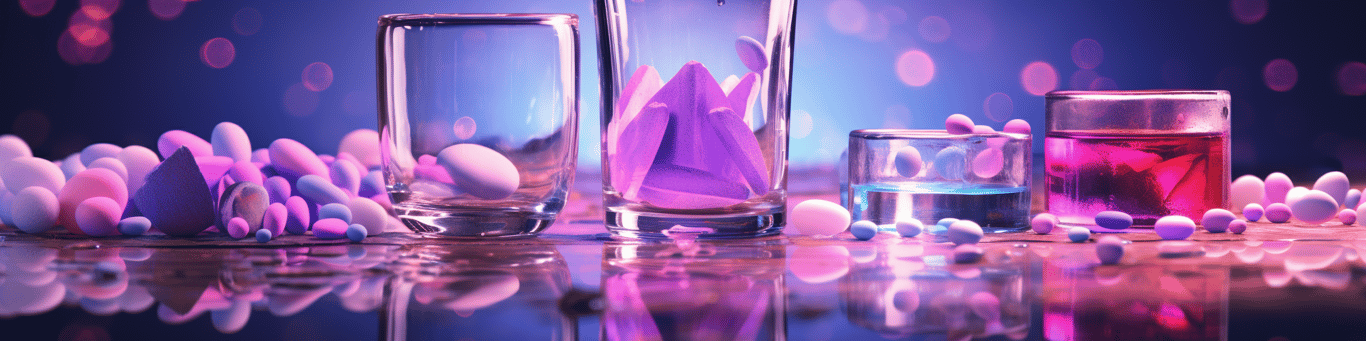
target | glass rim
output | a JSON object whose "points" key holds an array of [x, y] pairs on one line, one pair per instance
{"points": [[926, 134], [1170, 94], [433, 19]]}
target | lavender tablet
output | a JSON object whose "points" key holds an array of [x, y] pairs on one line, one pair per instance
{"points": [[1253, 212], [1017, 126], [1237, 226], [91, 183], [294, 160], [364, 145], [355, 233], [111, 164], [480, 171], [643, 85], [964, 232], [279, 189], [237, 228], [1114, 220], [264, 236], [337, 211], [134, 226], [967, 254], [369, 214], [12, 146], [819, 218], [908, 162], [1277, 186], [34, 210], [1247, 189], [261, 156], [246, 171], [299, 218], [139, 161], [863, 229], [1044, 223], [1314, 207], [1347, 216], [1335, 184], [345, 176], [1078, 234], [98, 151], [751, 53], [331, 228], [228, 139], [172, 140], [98, 216], [1174, 227], [27, 171], [680, 187], [1353, 199], [320, 190], [244, 200], [1216, 220], [743, 95], [275, 218], [1109, 249], [909, 227], [949, 162], [958, 124], [174, 197], [1278, 213]]}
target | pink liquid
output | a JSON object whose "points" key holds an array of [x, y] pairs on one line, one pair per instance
{"points": [[1147, 176]]}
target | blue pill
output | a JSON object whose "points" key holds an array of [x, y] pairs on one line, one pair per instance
{"points": [[1114, 220], [134, 226], [339, 211], [1078, 234], [863, 229], [1353, 199], [355, 233], [909, 227], [263, 235], [950, 162], [320, 190]]}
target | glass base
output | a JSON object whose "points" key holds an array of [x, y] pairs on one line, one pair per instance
{"points": [[654, 225], [473, 223]]}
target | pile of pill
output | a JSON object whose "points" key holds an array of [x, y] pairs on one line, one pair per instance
{"points": [[1278, 200], [189, 186]]}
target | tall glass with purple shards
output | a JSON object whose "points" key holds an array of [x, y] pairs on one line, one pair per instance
{"points": [[695, 108]]}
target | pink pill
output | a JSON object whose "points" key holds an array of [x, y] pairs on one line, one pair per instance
{"points": [[172, 140], [1253, 211], [1017, 126], [1278, 213], [363, 144], [958, 124], [90, 183], [908, 162], [988, 163], [330, 228], [298, 217], [293, 160], [99, 216], [1044, 223], [1277, 186], [1174, 227], [819, 217], [238, 228], [1237, 226], [275, 218], [1347, 216]]}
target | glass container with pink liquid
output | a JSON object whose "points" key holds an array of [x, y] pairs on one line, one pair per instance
{"points": [[1149, 153]]}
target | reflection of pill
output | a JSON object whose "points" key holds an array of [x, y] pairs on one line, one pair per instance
{"points": [[1253, 212], [1043, 223], [964, 232], [863, 229], [1246, 189], [1017, 126], [909, 227], [1216, 220], [1114, 220], [1109, 249], [751, 53], [480, 171], [949, 162], [967, 254], [1174, 227], [1335, 184], [1278, 213], [819, 217], [1078, 234], [98, 216], [1314, 207], [1237, 226], [958, 124], [908, 162], [1347, 216]]}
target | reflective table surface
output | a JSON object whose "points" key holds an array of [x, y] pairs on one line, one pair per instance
{"points": [[574, 282]]}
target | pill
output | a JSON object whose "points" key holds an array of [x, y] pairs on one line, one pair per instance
{"points": [[480, 171], [819, 218], [909, 227], [326, 159], [364, 145], [6, 204], [359, 167], [983, 129], [246, 171], [1277, 186], [12, 146], [91, 183], [751, 53], [228, 139], [294, 160], [71, 165], [264, 235], [1245, 190], [134, 226], [279, 189], [330, 228], [320, 190], [34, 210], [1017, 126], [237, 228], [907, 161], [369, 214], [27, 171], [335, 210], [1078, 234], [372, 184], [1216, 220], [174, 197], [1314, 207], [1335, 184], [1174, 227], [355, 233], [111, 164], [988, 163], [298, 219], [1347, 216], [1109, 249], [949, 162], [139, 161], [98, 216], [213, 168], [964, 232], [1278, 213], [275, 218], [1237, 226], [244, 200], [1114, 220], [941, 226], [967, 254], [1253, 212], [863, 229], [958, 124], [1353, 199], [1044, 223], [345, 176], [98, 151], [261, 156]]}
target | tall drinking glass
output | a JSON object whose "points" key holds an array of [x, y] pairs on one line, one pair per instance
{"points": [[1146, 153], [695, 108]]}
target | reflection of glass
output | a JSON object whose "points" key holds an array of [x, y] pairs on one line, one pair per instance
{"points": [[479, 120], [1135, 303], [1146, 153], [695, 108], [691, 291], [931, 175]]}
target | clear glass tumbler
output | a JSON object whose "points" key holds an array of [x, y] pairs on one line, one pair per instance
{"points": [[695, 107], [478, 120], [1146, 153], [930, 175]]}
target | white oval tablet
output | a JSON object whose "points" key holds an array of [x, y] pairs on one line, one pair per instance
{"points": [[35, 210], [819, 217], [139, 161], [364, 145], [480, 171], [228, 139], [28, 171]]}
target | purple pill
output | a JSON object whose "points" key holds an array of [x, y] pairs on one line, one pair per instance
{"points": [[1335, 184], [1278, 213], [1216, 220], [1347, 216], [1314, 207], [245, 171], [751, 53], [1017, 126], [345, 176], [263, 236], [99, 151], [741, 146], [958, 124], [1237, 226], [320, 190], [330, 228], [293, 160], [1043, 223], [1174, 227], [298, 220], [279, 189], [908, 162], [967, 254], [1114, 220], [1253, 212], [275, 219], [633, 160], [355, 232], [988, 163]]}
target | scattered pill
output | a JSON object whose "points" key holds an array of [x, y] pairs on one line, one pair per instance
{"points": [[819, 217], [1314, 207], [34, 210], [372, 184], [1347, 216], [1114, 220], [228, 139], [964, 232], [1216, 220], [320, 190], [294, 160], [98, 151], [345, 176], [909, 227], [988, 163], [1278, 213], [958, 124], [91, 183], [1294, 195], [908, 162], [480, 171], [369, 214], [1335, 184], [174, 197], [335, 210], [276, 216], [949, 162], [1044, 223], [1253, 211], [139, 161], [237, 228], [751, 53], [1109, 249], [1353, 199], [355, 233], [264, 235], [1174, 227], [1237, 226], [364, 145], [245, 171], [134, 226], [12, 146], [1277, 186], [330, 228], [27, 171], [1078, 234], [98, 216], [172, 140], [1017, 126], [967, 254], [213, 168], [863, 229]]}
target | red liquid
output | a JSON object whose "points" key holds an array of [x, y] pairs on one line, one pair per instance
{"points": [[1147, 176]]}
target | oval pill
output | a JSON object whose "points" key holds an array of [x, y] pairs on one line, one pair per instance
{"points": [[863, 229], [1216, 220], [1253, 212], [1174, 227], [1114, 220], [819, 217], [909, 227], [1078, 234], [34, 210], [964, 232], [908, 162], [98, 216], [480, 171], [1278, 213], [958, 124], [1044, 223]]}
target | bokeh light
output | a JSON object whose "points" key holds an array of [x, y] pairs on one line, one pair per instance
{"points": [[1352, 79], [1087, 53], [998, 107], [247, 21], [73, 52], [217, 53], [847, 16], [1248, 12], [32, 126], [1038, 78], [317, 76], [801, 124], [299, 101], [934, 29], [464, 128], [1081, 79], [1103, 83], [36, 8], [915, 68], [877, 28], [1280, 75], [166, 9], [99, 9]]}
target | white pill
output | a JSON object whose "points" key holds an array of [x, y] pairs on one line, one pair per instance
{"points": [[480, 171], [964, 232], [1314, 207], [139, 161], [28, 171], [174, 139], [228, 139], [819, 217], [1044, 223], [1295, 194], [12, 147], [364, 145], [369, 214], [97, 151], [110, 164], [91, 183], [1174, 227], [909, 227], [1245, 190], [1078, 234], [1277, 186], [34, 210], [1335, 184], [908, 162], [1353, 199]]}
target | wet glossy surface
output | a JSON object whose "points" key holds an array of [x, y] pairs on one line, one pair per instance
{"points": [[575, 283]]}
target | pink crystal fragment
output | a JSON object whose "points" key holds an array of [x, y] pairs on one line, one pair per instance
{"points": [[642, 86], [741, 146]]}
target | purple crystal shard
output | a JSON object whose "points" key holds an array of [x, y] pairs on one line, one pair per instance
{"points": [[742, 97], [175, 198], [741, 146], [637, 93], [634, 159], [688, 142], [680, 187]]}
